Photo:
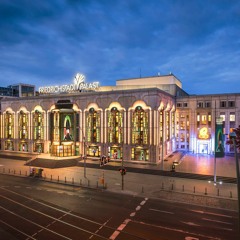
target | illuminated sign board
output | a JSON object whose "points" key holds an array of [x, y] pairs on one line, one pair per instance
{"points": [[78, 86], [203, 133]]}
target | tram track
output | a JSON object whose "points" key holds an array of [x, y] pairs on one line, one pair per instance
{"points": [[20, 213]]}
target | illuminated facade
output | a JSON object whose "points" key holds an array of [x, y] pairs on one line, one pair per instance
{"points": [[132, 120]]}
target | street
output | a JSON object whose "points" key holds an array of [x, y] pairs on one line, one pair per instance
{"points": [[34, 209]]}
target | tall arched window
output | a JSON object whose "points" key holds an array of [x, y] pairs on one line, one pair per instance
{"points": [[23, 125], [93, 126], [9, 125], [38, 129], [115, 126], [161, 124], [140, 126]]}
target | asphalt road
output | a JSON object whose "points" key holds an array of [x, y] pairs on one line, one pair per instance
{"points": [[33, 209]]}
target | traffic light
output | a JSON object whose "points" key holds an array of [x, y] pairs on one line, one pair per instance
{"points": [[122, 171]]}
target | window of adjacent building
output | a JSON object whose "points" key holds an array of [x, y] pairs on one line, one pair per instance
{"points": [[200, 104], [223, 104], [232, 117], [179, 104], [182, 137], [231, 103], [185, 104], [198, 120], [222, 115], [187, 123], [115, 126], [207, 104], [140, 126], [232, 120], [209, 119], [204, 119]]}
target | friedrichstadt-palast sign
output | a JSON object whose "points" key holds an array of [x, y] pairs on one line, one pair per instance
{"points": [[79, 85]]}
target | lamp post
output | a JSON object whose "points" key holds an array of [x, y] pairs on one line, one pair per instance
{"points": [[232, 136], [84, 156]]}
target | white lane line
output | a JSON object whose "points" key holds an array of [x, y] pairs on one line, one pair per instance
{"points": [[40, 226], [103, 225], [200, 235], [17, 230], [157, 210], [211, 213], [212, 220], [191, 224], [49, 216]]}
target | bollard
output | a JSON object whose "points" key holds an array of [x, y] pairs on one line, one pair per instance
{"points": [[80, 182], [205, 191], [45, 176], [218, 192], [26, 173], [51, 177], [58, 179], [194, 189], [65, 179], [72, 181], [105, 186], [183, 188], [142, 190], [230, 194]]}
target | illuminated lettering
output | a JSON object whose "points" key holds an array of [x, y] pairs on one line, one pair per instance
{"points": [[78, 85]]}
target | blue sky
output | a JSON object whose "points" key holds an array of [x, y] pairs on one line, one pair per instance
{"points": [[48, 42]]}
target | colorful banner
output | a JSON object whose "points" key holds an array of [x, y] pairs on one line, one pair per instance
{"points": [[219, 150]]}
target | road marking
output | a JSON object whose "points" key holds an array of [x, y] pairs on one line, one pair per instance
{"points": [[120, 228], [191, 224], [138, 208], [211, 213], [132, 214], [212, 220], [201, 236], [18, 230], [157, 210], [104, 224]]}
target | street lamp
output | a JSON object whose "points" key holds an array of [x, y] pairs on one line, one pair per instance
{"points": [[232, 137]]}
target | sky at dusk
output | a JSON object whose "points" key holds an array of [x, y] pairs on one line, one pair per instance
{"points": [[47, 42]]}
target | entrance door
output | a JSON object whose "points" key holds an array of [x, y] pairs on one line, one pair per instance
{"points": [[203, 148]]}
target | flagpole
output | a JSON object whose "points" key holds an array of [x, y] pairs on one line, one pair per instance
{"points": [[215, 162]]}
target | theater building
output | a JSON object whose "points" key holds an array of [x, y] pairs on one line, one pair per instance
{"points": [[141, 120]]}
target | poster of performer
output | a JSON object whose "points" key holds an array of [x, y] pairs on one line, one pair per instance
{"points": [[219, 149]]}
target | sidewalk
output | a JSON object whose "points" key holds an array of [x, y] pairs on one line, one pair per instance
{"points": [[145, 185]]}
